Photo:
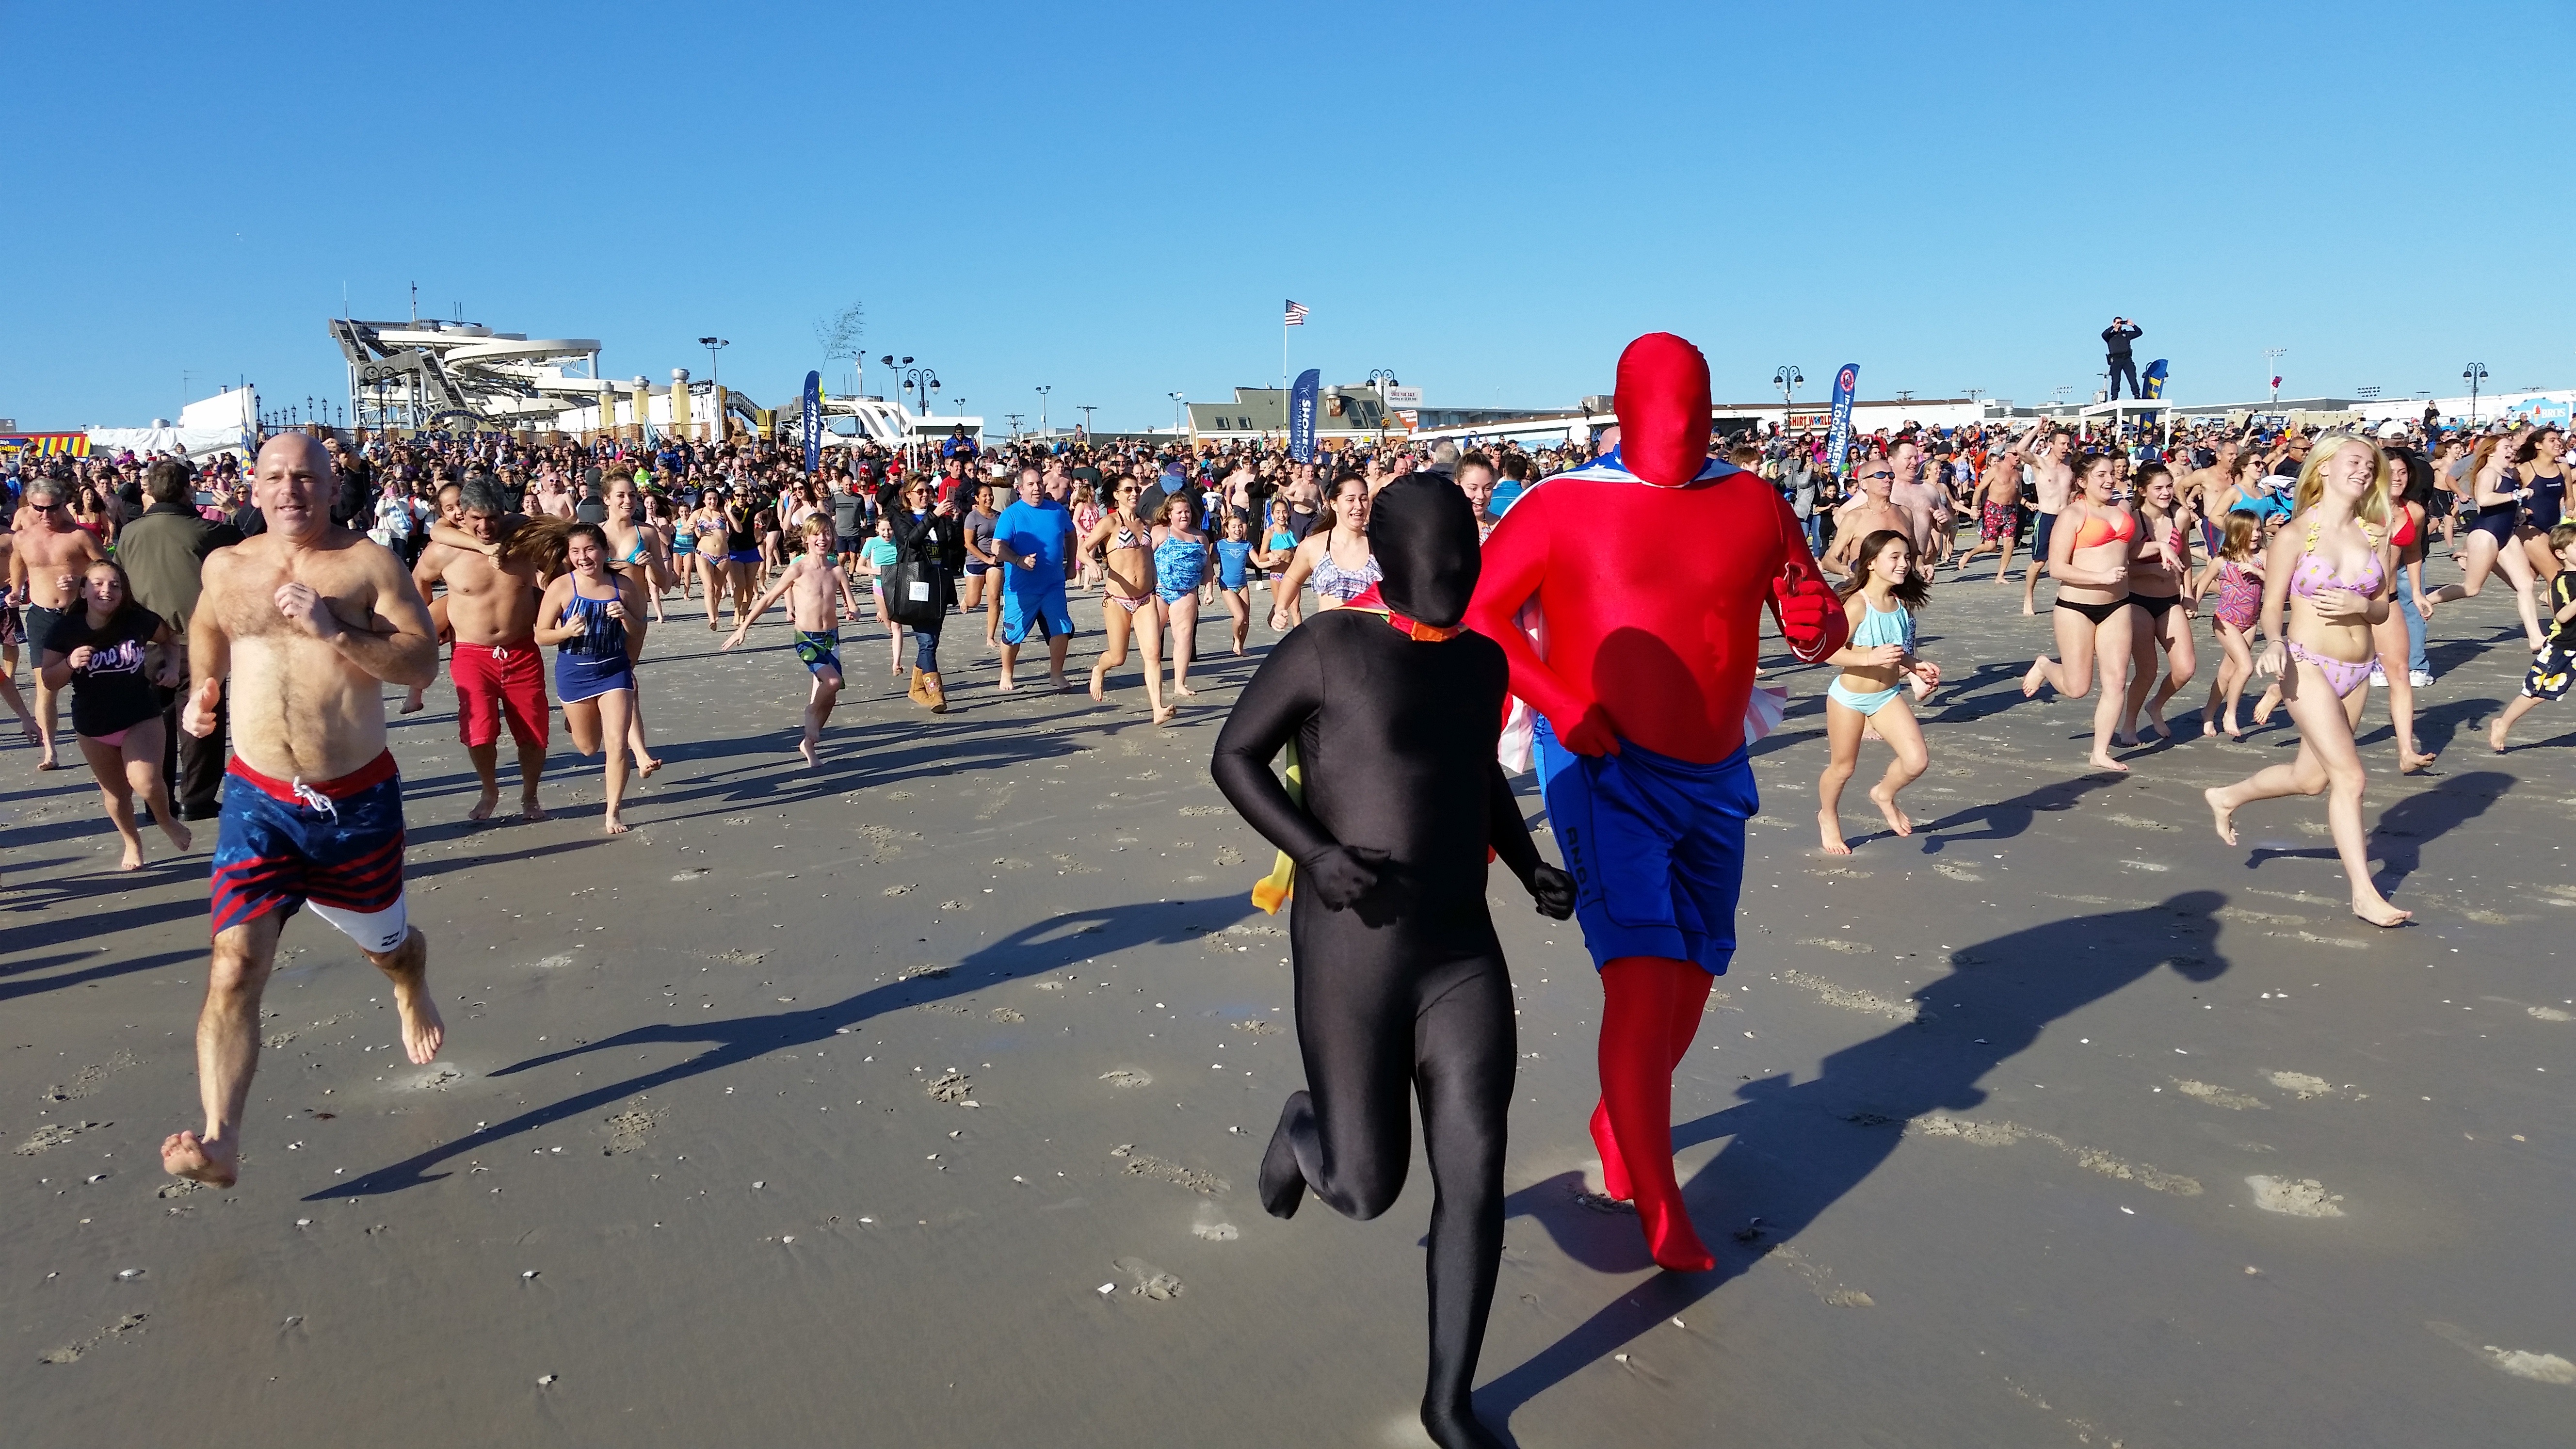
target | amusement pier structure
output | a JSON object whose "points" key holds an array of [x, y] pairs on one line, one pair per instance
{"points": [[428, 375]]}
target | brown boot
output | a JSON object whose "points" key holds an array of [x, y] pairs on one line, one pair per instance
{"points": [[919, 695], [932, 694]]}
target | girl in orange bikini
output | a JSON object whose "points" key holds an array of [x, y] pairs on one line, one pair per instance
{"points": [[2088, 555]]}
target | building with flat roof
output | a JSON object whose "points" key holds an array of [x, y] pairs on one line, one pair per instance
{"points": [[1343, 415]]}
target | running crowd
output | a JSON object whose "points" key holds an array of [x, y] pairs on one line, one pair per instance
{"points": [[213, 624]]}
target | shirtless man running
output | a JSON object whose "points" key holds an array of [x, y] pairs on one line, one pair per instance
{"points": [[809, 585], [1867, 514], [310, 621], [1998, 496], [2056, 485], [1925, 502], [45, 570], [492, 612]]}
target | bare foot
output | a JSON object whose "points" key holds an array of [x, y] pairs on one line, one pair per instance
{"points": [[645, 765], [2156, 722], [2208, 727], [179, 836], [1099, 688], [613, 826], [1059, 683], [1163, 713], [2221, 814], [2263, 708], [2379, 912], [2409, 761], [2026, 609], [422, 1031], [806, 748], [1897, 819], [412, 704], [2101, 761], [133, 857], [2495, 735], [49, 763], [1006, 686], [214, 1162], [530, 810], [2125, 741], [484, 807], [2035, 676], [1184, 691], [1829, 832]]}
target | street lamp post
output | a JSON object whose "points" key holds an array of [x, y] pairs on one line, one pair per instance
{"points": [[2272, 361], [1788, 379], [2473, 374], [1176, 412], [714, 345], [1043, 390], [1086, 409]]}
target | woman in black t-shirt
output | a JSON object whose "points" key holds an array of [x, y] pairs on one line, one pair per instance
{"points": [[98, 650]]}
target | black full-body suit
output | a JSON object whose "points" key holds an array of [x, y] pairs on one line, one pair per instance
{"points": [[1400, 982]]}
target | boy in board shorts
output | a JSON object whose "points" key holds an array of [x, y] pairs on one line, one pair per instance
{"points": [[809, 585]]}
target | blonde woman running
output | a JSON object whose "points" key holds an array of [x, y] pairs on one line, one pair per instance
{"points": [[2325, 585]]}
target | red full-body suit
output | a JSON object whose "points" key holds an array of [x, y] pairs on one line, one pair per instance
{"points": [[1651, 573]]}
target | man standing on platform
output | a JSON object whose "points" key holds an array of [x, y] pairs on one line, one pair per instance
{"points": [[2115, 342]]}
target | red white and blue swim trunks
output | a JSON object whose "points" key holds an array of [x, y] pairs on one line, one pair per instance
{"points": [[336, 844], [1655, 846]]}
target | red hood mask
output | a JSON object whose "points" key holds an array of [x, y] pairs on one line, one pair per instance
{"points": [[1663, 409]]}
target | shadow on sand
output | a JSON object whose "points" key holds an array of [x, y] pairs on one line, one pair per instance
{"points": [[1796, 1148], [1029, 951]]}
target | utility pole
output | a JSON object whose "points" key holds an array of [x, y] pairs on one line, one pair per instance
{"points": [[1086, 409]]}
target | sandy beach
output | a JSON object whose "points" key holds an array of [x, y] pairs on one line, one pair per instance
{"points": [[916, 1100]]}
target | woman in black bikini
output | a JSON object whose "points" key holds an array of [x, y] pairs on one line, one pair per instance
{"points": [[2499, 499], [2158, 574], [2088, 555]]}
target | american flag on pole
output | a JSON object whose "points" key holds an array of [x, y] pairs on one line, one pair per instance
{"points": [[1296, 313]]}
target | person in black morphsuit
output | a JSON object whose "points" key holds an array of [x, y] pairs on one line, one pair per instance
{"points": [[1400, 981]]}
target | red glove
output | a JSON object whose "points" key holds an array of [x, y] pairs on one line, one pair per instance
{"points": [[1810, 616], [1592, 735]]}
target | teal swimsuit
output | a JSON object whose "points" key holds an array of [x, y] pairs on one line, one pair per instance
{"points": [[1891, 626]]}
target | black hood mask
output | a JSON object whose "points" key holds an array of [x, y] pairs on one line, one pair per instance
{"points": [[1423, 531]]}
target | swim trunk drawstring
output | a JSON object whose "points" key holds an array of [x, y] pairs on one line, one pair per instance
{"points": [[315, 799]]}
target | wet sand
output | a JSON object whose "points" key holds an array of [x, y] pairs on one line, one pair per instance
{"points": [[916, 1100]]}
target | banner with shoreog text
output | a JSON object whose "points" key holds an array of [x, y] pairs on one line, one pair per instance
{"points": [[1301, 415], [1838, 440], [813, 422]]}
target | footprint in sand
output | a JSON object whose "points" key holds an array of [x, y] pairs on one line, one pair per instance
{"points": [[2301, 1085], [627, 1131], [2546, 1368], [2217, 1096], [1007, 1015], [1125, 1078], [2305, 1198], [55, 1135], [1151, 1282], [1216, 1232]]}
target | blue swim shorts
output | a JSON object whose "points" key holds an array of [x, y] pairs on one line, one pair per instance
{"points": [[1656, 848], [1044, 612]]}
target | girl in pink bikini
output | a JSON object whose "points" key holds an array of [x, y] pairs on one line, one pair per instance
{"points": [[2327, 577]]}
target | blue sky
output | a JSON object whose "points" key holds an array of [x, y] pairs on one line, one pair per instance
{"points": [[1489, 199]]}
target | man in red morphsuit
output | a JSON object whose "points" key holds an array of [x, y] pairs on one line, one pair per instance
{"points": [[1652, 565]]}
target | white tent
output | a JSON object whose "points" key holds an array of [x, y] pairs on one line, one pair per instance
{"points": [[226, 422]]}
